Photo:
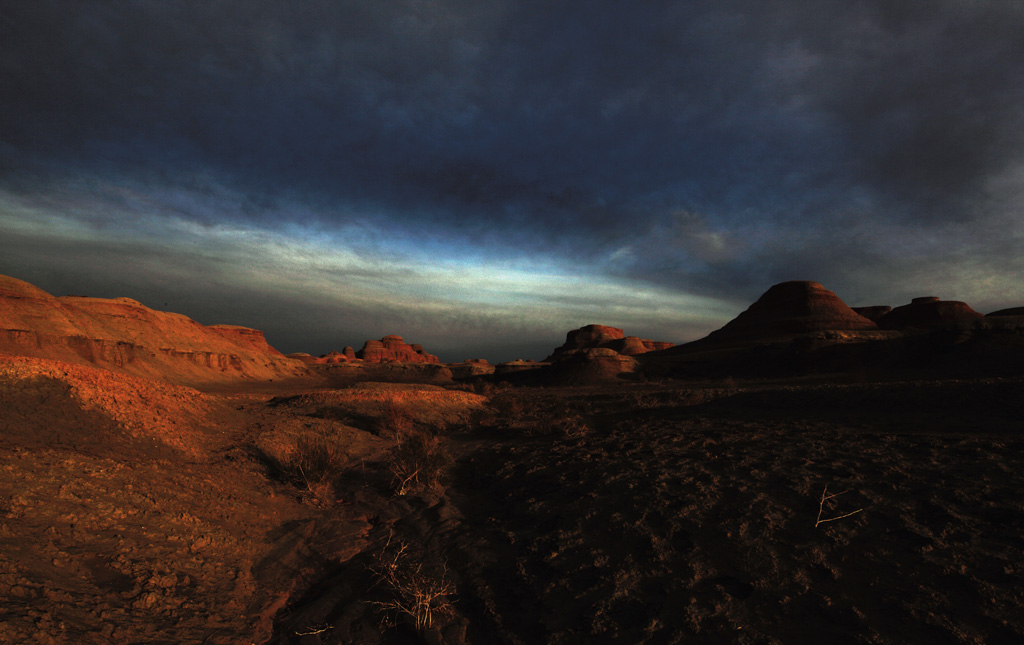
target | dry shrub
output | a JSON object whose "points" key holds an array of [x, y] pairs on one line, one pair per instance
{"points": [[645, 400], [510, 409], [695, 396], [418, 459], [318, 460], [571, 426], [502, 411], [394, 419], [417, 591], [486, 388], [484, 417]]}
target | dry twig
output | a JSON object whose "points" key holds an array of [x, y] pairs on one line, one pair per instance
{"points": [[821, 508]]}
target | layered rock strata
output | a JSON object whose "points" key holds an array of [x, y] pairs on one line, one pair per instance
{"points": [[124, 335]]}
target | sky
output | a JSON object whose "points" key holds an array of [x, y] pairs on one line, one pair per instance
{"points": [[482, 176]]}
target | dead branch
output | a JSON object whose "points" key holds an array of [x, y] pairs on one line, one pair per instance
{"points": [[821, 508]]}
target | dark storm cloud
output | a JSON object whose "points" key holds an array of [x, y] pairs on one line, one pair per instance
{"points": [[708, 147], [465, 109]]}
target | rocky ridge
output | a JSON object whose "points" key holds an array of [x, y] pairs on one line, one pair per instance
{"points": [[124, 335]]}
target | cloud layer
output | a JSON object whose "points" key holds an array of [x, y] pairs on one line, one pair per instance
{"points": [[498, 172]]}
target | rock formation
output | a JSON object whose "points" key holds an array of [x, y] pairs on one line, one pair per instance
{"points": [[471, 367], [873, 313], [1012, 311], [591, 366], [124, 335], [393, 348], [390, 349], [796, 307], [929, 311], [518, 365], [602, 336]]}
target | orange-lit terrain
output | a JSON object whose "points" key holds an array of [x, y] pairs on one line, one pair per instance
{"points": [[162, 481]]}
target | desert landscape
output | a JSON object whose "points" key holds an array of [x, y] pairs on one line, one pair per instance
{"points": [[808, 473], [505, 322]]}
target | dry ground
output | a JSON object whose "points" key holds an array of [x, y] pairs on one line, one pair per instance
{"points": [[663, 512], [678, 516]]}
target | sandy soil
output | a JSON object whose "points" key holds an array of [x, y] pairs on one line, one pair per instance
{"points": [[134, 511]]}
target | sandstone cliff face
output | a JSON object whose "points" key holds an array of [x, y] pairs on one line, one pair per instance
{"points": [[125, 335]]}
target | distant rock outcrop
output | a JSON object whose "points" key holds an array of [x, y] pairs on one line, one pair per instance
{"points": [[796, 307], [593, 365], [518, 365], [330, 358], [390, 349], [393, 348], [124, 335], [1012, 311], [929, 311], [602, 336], [471, 367]]}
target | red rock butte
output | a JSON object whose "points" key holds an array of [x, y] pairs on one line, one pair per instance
{"points": [[795, 307], [394, 348], [604, 337], [124, 335]]}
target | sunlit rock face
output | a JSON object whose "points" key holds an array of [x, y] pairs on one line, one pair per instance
{"points": [[794, 307], [394, 348], [603, 336], [591, 336], [929, 311], [125, 335]]}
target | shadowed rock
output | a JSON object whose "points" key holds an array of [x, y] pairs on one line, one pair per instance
{"points": [[873, 313], [593, 365], [929, 311], [796, 307], [1012, 311]]}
